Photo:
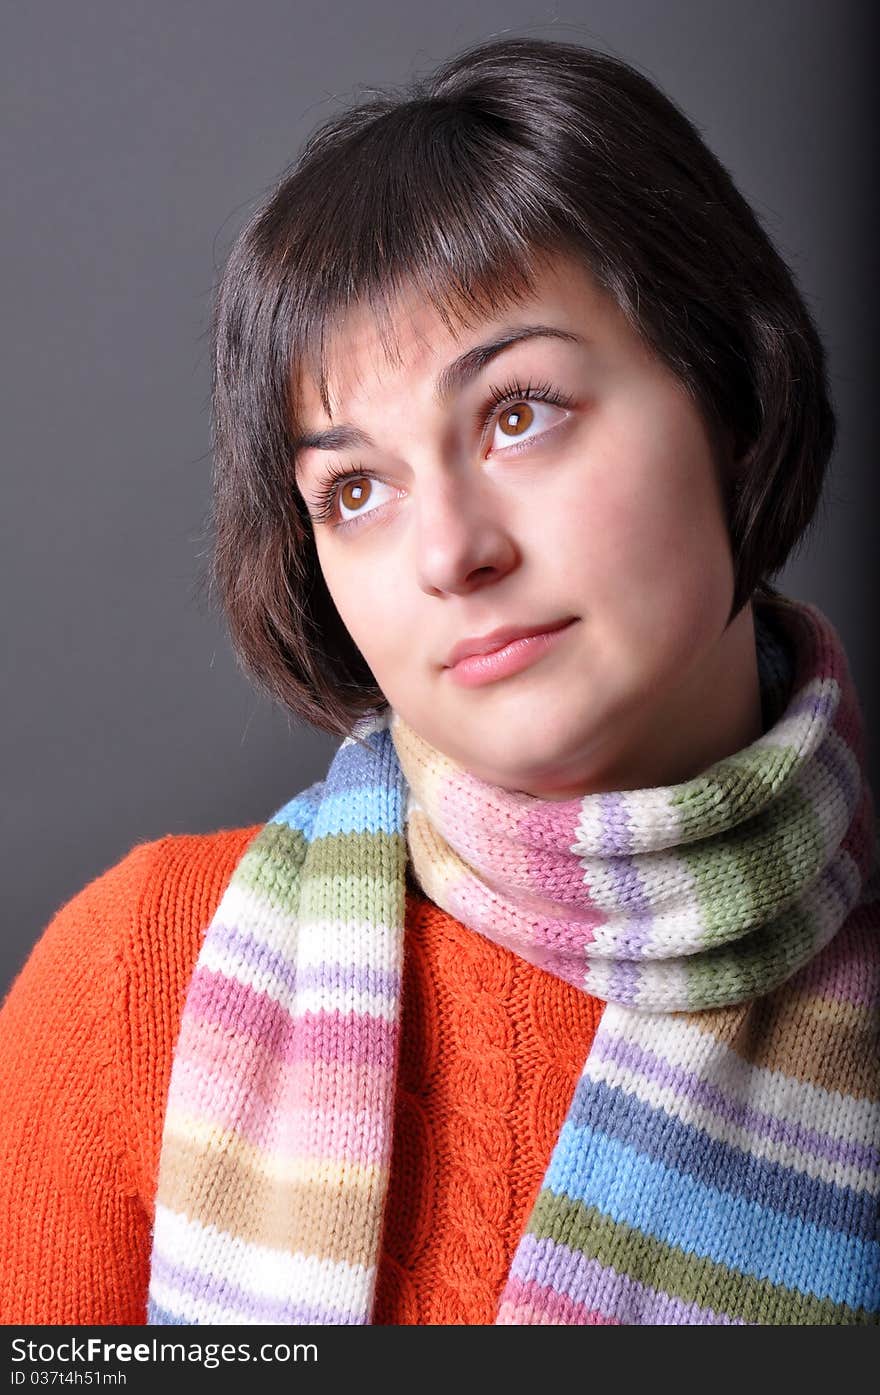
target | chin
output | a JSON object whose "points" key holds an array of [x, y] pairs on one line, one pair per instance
{"points": [[543, 766]]}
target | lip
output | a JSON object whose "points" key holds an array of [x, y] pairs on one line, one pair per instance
{"points": [[504, 651], [496, 639]]}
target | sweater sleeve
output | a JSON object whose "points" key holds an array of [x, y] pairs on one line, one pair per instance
{"points": [[74, 1226]]}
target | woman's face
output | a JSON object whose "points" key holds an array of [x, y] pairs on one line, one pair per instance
{"points": [[600, 505]]}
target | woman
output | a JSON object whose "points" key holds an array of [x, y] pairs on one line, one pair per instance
{"points": [[555, 1001]]}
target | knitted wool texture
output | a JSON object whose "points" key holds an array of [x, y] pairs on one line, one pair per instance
{"points": [[720, 1159], [490, 1051]]}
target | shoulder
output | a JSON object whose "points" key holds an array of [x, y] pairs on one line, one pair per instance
{"points": [[170, 888], [154, 893], [152, 910], [179, 878], [88, 1028], [165, 894], [132, 932]]}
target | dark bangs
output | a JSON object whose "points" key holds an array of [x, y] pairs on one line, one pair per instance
{"points": [[457, 188]]}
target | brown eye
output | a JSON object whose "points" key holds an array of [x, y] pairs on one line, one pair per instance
{"points": [[354, 493], [516, 419]]}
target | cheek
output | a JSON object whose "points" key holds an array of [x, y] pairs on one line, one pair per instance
{"points": [[368, 603], [655, 499], [640, 533], [641, 525], [621, 527]]}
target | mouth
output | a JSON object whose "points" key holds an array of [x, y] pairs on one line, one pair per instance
{"points": [[497, 639], [507, 657]]}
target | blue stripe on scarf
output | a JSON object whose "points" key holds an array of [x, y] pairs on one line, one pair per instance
{"points": [[687, 1148], [676, 1209]]}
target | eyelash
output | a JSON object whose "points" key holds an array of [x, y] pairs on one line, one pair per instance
{"points": [[498, 398]]}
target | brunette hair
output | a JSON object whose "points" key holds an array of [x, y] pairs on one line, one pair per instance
{"points": [[456, 186]]}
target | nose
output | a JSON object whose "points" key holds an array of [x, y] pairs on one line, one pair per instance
{"points": [[462, 541]]}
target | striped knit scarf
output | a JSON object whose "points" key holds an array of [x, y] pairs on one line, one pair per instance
{"points": [[720, 1159]]}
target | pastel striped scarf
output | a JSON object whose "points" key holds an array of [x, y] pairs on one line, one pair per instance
{"points": [[720, 1159]]}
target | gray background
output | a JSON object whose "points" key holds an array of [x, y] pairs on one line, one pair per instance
{"points": [[137, 138]]}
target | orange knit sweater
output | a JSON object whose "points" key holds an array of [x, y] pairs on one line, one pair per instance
{"points": [[491, 1048]]}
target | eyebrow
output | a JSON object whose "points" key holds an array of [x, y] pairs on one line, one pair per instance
{"points": [[455, 376]]}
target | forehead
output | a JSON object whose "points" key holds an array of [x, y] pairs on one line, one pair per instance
{"points": [[365, 352]]}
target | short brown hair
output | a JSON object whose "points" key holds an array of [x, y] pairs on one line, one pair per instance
{"points": [[456, 186]]}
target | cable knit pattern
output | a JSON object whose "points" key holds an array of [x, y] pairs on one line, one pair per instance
{"points": [[490, 1055], [87, 1037]]}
